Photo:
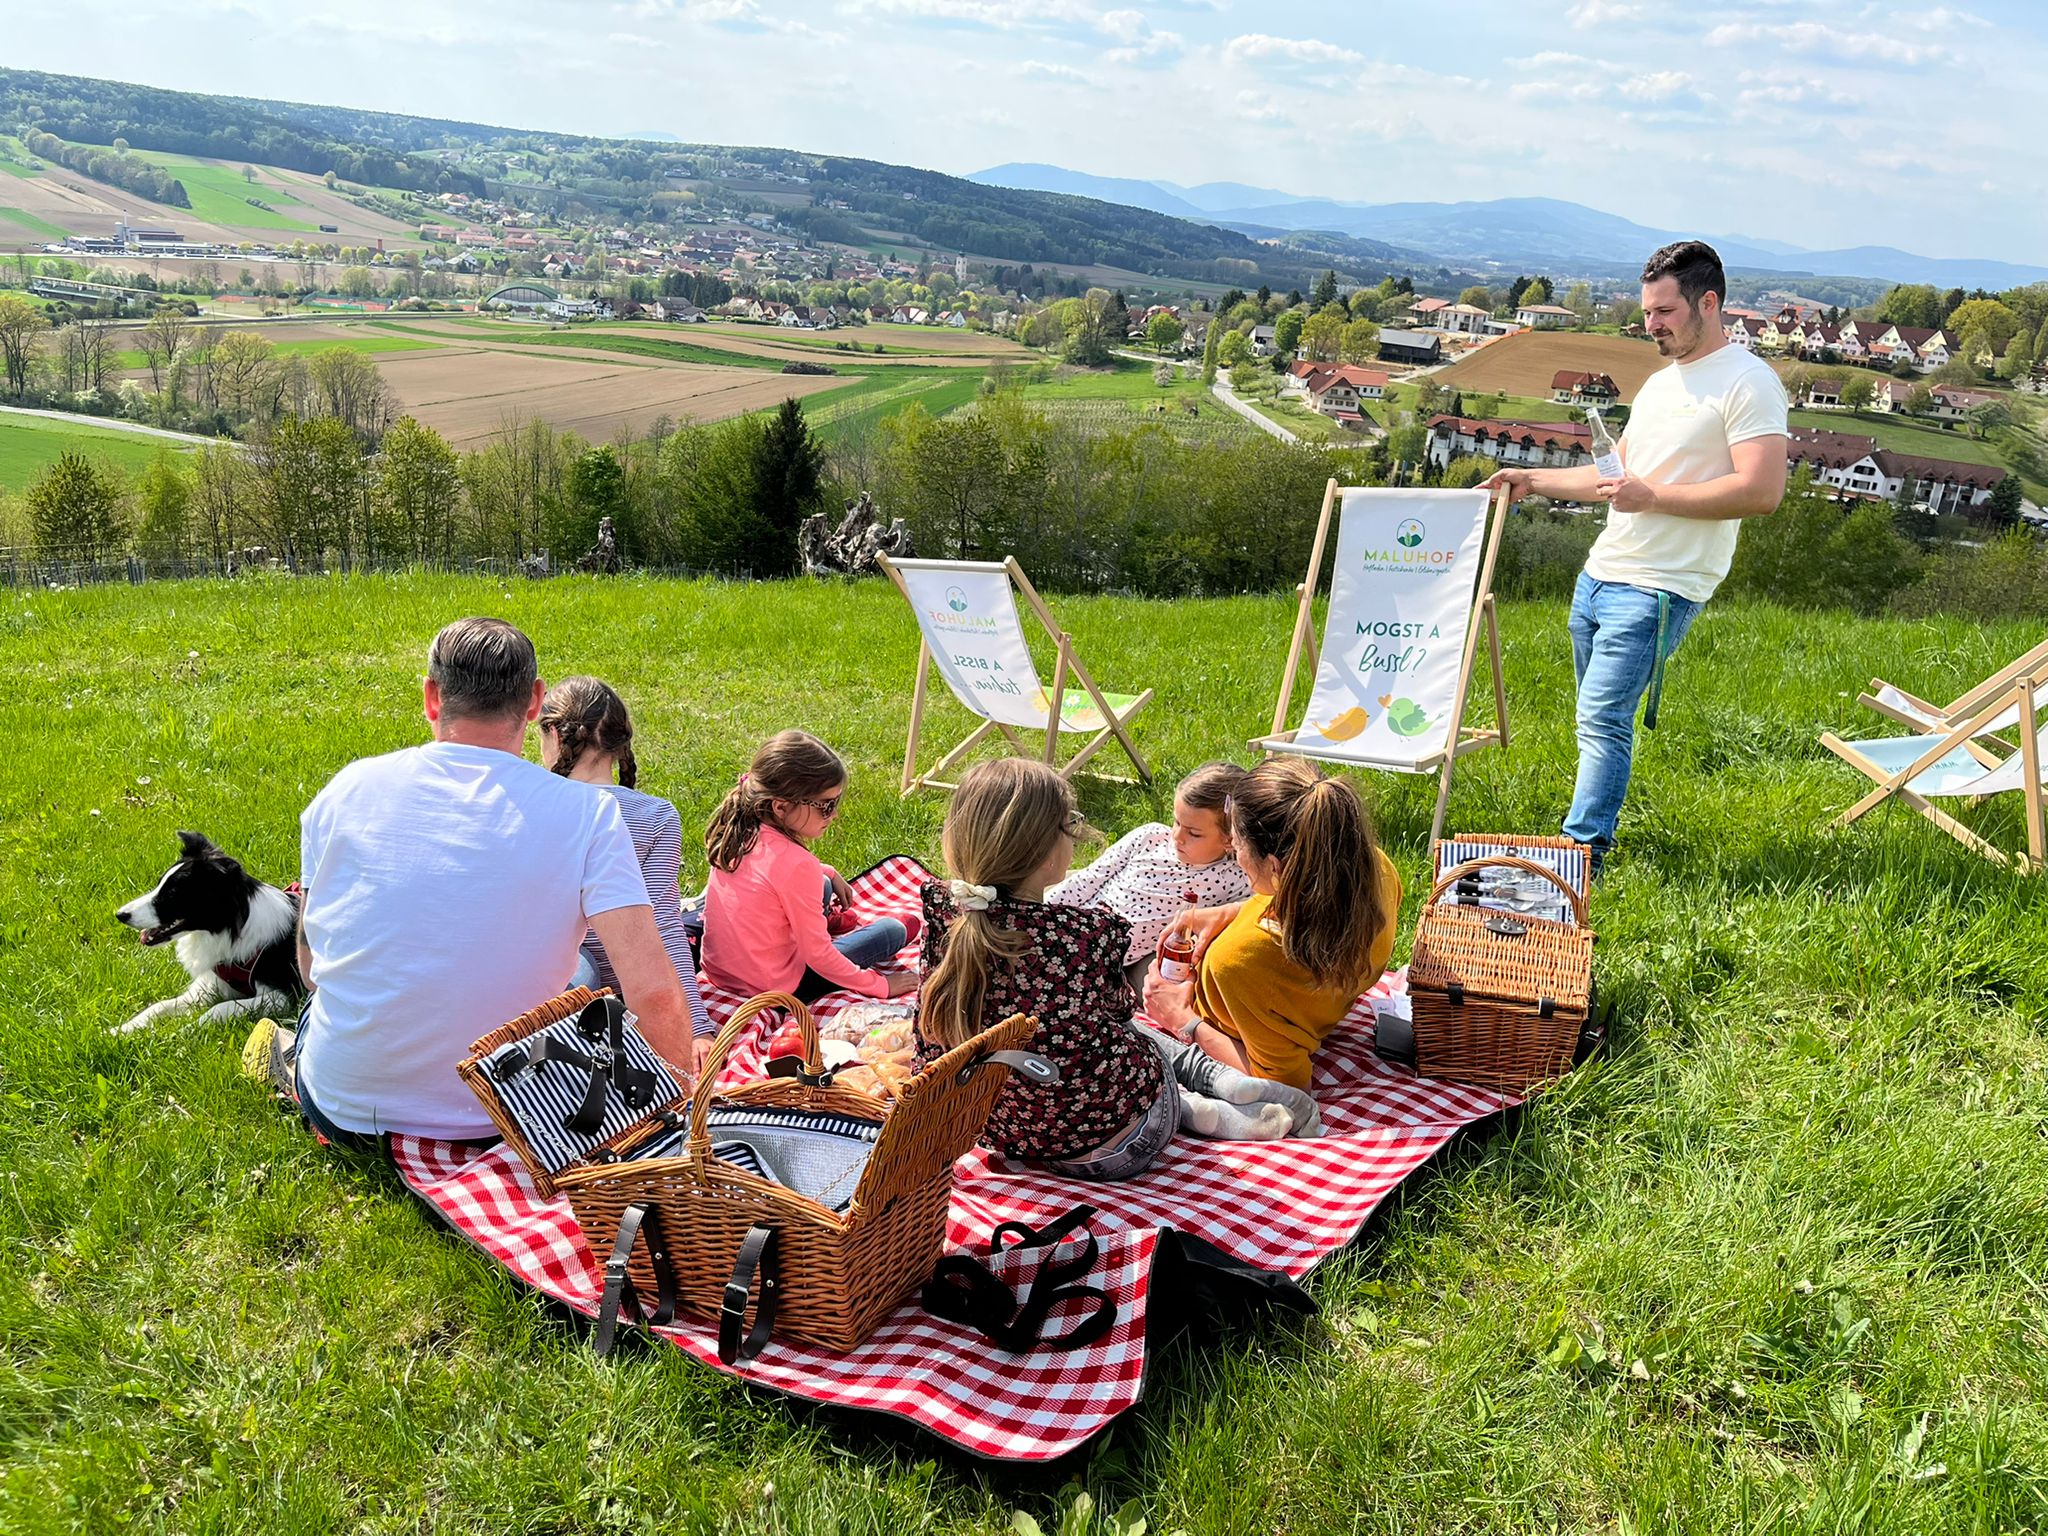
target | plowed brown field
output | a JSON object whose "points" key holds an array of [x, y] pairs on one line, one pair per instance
{"points": [[469, 396], [1523, 364]]}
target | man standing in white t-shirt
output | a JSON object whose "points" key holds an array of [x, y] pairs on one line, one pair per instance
{"points": [[1703, 449], [447, 888]]}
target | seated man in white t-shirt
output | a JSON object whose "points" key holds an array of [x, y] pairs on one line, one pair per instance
{"points": [[1704, 448], [447, 889]]}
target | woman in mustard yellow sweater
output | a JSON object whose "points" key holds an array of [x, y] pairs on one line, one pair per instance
{"points": [[1276, 973]]}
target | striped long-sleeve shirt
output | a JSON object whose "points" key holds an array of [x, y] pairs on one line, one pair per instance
{"points": [[657, 832]]}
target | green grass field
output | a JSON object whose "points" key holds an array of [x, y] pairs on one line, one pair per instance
{"points": [[28, 444], [1901, 436], [1807, 1189], [30, 224], [369, 345], [220, 195]]}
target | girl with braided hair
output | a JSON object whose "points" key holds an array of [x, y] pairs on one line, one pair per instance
{"points": [[586, 735], [775, 918], [1277, 972]]}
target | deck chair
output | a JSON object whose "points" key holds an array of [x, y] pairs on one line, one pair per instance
{"points": [[1411, 594], [970, 632], [1895, 703], [1948, 764]]}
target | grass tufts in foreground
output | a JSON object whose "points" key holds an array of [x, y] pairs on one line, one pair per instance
{"points": [[1778, 1263]]}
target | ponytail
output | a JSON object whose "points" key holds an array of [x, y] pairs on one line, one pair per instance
{"points": [[1327, 903], [952, 995], [789, 766], [1000, 829]]}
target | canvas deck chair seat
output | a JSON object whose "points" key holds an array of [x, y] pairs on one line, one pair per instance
{"points": [[971, 634], [1895, 703], [1950, 764], [1411, 595]]}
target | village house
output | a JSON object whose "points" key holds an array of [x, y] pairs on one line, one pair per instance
{"points": [[1466, 319], [1339, 391], [1410, 347], [1569, 388], [1953, 404], [1538, 444], [1856, 466], [1263, 343], [1425, 311], [1545, 317]]}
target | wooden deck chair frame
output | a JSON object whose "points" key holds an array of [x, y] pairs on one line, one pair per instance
{"points": [[2021, 690], [1463, 739], [2033, 662], [1065, 663]]}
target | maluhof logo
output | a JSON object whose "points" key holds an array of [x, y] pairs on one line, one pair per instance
{"points": [[1407, 552], [956, 599]]}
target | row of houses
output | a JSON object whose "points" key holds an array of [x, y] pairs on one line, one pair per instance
{"points": [[1861, 341], [1949, 402], [1849, 462]]}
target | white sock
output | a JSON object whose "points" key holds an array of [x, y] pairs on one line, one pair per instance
{"points": [[1220, 1121], [1195, 1069]]}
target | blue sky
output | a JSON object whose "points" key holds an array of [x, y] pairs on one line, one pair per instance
{"points": [[1820, 122]]}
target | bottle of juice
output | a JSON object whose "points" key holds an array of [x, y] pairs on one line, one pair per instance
{"points": [[1606, 451], [1177, 953]]}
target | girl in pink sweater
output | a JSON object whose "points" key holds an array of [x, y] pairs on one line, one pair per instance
{"points": [[771, 907]]}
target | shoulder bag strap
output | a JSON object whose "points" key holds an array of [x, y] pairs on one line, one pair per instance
{"points": [[756, 1255]]}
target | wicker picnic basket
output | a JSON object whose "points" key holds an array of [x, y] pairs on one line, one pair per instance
{"points": [[1499, 997], [837, 1273]]}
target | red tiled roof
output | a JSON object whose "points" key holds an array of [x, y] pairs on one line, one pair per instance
{"points": [[1564, 379], [1547, 434]]}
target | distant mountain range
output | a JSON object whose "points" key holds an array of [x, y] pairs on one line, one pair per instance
{"points": [[1521, 232]]}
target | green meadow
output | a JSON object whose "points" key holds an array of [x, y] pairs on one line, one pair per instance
{"points": [[368, 345], [28, 444], [1775, 1263], [220, 195]]}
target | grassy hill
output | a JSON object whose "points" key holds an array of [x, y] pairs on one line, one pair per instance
{"points": [[632, 178], [1772, 1265]]}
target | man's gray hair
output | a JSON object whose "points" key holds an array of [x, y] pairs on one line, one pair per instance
{"points": [[484, 668]]}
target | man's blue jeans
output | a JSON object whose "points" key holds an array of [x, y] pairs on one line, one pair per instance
{"points": [[1614, 649]]}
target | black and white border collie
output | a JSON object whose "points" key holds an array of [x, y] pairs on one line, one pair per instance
{"points": [[237, 938]]}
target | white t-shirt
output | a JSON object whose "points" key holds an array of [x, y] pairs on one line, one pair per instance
{"points": [[1683, 422], [447, 889], [1142, 880]]}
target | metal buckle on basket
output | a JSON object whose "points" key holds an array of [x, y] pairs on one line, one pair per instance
{"points": [[1506, 927], [509, 1063], [736, 1298], [614, 1269]]}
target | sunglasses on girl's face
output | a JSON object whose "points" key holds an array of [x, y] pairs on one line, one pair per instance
{"points": [[826, 808]]}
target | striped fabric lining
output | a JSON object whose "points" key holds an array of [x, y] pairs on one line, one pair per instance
{"points": [[542, 1097], [1569, 864]]}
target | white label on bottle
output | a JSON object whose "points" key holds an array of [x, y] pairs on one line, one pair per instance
{"points": [[1609, 465], [1172, 970]]}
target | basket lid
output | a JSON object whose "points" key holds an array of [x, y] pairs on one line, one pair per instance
{"points": [[1502, 957]]}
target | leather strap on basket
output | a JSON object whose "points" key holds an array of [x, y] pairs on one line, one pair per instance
{"points": [[635, 1221], [1457, 872], [963, 1290], [603, 1024], [756, 1257]]}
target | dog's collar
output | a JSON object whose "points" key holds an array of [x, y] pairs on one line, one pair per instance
{"points": [[239, 979]]}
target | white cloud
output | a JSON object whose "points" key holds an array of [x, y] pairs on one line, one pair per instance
{"points": [[1818, 40], [1556, 90], [1001, 15], [1063, 74], [1257, 107], [1593, 13], [1940, 19], [1552, 60], [1661, 85], [1259, 46]]}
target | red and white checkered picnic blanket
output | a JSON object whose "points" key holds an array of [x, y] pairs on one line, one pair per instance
{"points": [[1284, 1205]]}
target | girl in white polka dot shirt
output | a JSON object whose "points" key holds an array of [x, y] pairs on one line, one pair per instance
{"points": [[1146, 875]]}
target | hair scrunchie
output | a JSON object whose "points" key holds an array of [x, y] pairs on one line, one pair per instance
{"points": [[971, 898]]}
